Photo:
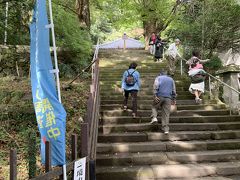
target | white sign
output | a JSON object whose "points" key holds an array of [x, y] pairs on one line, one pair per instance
{"points": [[80, 169], [125, 36]]}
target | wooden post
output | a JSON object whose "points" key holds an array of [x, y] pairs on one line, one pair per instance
{"points": [[74, 147], [32, 167], [89, 110], [84, 140], [84, 145], [48, 157], [13, 164]]}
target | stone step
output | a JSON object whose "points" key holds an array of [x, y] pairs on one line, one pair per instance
{"points": [[147, 92], [141, 66], [144, 88], [147, 127], [158, 158], [142, 71], [146, 97], [144, 82], [172, 136], [184, 171], [147, 85], [183, 77], [234, 177], [179, 107], [149, 102], [180, 119], [167, 146], [178, 113], [117, 76]]}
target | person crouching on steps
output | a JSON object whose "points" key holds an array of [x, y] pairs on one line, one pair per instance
{"points": [[131, 85], [164, 90]]}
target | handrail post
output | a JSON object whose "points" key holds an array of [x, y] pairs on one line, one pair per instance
{"points": [[181, 67], [13, 164], [48, 157], [74, 147], [84, 145], [210, 89], [32, 167]]}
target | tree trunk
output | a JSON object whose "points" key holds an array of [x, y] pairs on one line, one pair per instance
{"points": [[157, 26], [83, 11], [149, 28]]}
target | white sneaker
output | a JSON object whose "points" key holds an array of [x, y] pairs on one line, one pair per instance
{"points": [[154, 120], [166, 132], [198, 100]]}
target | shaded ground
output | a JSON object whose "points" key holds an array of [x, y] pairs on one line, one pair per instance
{"points": [[17, 118]]}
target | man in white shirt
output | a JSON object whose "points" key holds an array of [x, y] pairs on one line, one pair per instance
{"points": [[172, 55]]}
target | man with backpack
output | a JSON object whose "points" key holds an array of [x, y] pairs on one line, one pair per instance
{"points": [[164, 90], [131, 85]]}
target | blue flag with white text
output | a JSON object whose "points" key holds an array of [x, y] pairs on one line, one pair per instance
{"points": [[50, 114]]}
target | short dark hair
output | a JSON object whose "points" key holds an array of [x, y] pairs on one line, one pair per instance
{"points": [[133, 65], [195, 53], [159, 37], [163, 72]]}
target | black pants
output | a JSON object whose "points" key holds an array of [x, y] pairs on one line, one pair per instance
{"points": [[134, 99]]}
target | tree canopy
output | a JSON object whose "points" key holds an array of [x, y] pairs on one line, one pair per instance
{"points": [[209, 25]]}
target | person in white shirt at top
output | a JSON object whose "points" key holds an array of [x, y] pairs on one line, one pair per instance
{"points": [[172, 55]]}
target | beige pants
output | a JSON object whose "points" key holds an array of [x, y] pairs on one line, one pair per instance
{"points": [[171, 64], [165, 106]]}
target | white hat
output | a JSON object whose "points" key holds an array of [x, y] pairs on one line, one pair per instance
{"points": [[177, 40]]}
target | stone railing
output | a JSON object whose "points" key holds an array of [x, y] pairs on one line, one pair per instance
{"points": [[231, 96]]}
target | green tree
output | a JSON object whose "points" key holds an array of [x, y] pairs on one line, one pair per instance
{"points": [[209, 25]]}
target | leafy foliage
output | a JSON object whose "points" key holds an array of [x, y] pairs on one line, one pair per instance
{"points": [[69, 35], [75, 42], [19, 15], [212, 25], [213, 65]]}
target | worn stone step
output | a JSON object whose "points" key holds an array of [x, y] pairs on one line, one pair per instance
{"points": [[179, 107], [186, 171], [149, 102], [147, 97], [147, 127], [226, 177], [145, 72], [144, 88], [148, 158], [180, 119], [167, 146], [144, 82], [141, 70], [172, 136], [148, 92], [141, 66], [183, 78], [178, 113]]}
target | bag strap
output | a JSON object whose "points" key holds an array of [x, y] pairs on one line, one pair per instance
{"points": [[132, 72]]}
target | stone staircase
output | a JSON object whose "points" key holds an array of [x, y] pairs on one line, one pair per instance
{"points": [[203, 143]]}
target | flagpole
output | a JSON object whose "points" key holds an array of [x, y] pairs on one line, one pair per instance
{"points": [[56, 71], [6, 25]]}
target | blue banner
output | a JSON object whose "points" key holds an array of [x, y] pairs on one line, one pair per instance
{"points": [[50, 114]]}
